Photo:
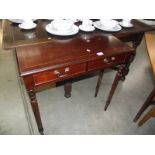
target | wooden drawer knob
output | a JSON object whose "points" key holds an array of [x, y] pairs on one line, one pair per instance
{"points": [[67, 69], [56, 72], [106, 60], [113, 58]]}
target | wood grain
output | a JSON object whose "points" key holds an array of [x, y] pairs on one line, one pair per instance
{"points": [[47, 56], [150, 44], [13, 36]]}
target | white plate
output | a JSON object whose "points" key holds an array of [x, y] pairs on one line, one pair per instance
{"points": [[72, 31], [18, 21], [126, 26], [90, 29], [74, 20], [23, 26], [98, 25]]}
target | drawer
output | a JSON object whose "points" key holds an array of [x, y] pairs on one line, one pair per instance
{"points": [[58, 74], [110, 61]]}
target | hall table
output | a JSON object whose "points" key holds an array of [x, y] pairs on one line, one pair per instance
{"points": [[44, 58]]}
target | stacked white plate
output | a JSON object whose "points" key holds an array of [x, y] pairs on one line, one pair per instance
{"points": [[86, 28], [18, 21], [108, 25], [129, 25], [62, 27], [27, 25]]}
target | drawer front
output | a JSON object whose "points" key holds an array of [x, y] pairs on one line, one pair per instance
{"points": [[57, 74], [110, 61]]}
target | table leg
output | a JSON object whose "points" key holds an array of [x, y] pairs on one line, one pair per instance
{"points": [[150, 114], [135, 43], [137, 40], [35, 108], [68, 88], [145, 105], [127, 66], [98, 83], [114, 85], [29, 84]]}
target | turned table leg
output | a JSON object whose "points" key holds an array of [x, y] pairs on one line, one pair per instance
{"points": [[145, 105], [137, 39], [98, 83], [113, 88], [29, 84], [68, 88], [35, 109]]}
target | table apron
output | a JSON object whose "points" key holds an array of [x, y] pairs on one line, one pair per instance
{"points": [[72, 71]]}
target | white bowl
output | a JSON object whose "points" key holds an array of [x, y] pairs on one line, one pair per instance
{"points": [[62, 25], [108, 23], [126, 22], [28, 23]]}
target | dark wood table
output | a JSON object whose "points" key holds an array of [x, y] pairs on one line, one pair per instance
{"points": [[14, 37], [44, 58]]}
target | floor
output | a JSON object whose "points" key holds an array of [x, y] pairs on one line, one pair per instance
{"points": [[82, 114]]}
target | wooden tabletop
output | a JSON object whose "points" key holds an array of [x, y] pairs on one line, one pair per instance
{"points": [[150, 44], [13, 36], [41, 57]]}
